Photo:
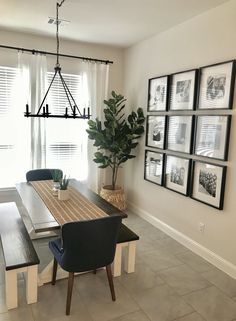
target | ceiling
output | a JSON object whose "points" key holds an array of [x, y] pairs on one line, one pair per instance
{"points": [[114, 22]]}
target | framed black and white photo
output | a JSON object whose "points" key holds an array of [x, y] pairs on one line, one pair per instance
{"points": [[208, 183], [155, 134], [154, 167], [177, 172], [216, 86], [179, 133], [183, 90], [212, 136], [157, 93]]}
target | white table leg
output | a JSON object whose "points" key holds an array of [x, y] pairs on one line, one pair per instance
{"points": [[130, 258], [11, 289], [117, 261], [31, 284]]}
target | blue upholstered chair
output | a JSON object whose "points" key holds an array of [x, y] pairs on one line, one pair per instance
{"points": [[40, 174], [86, 246]]}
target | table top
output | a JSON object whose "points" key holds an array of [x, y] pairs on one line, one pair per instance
{"points": [[42, 219]]}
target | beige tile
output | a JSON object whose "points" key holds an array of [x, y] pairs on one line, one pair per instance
{"points": [[222, 281], [142, 279], [161, 303], [145, 245], [134, 316], [171, 246], [99, 304], [191, 317], [212, 304], [158, 260], [196, 263], [51, 304], [184, 280]]}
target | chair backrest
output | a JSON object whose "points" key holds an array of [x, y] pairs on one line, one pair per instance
{"points": [[40, 174], [89, 245]]}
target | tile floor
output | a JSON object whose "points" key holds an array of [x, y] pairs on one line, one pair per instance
{"points": [[170, 283]]}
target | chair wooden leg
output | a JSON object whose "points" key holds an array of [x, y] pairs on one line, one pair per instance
{"points": [[54, 271], [94, 271], [110, 280], [69, 292]]}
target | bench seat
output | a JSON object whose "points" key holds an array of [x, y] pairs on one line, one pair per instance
{"points": [[19, 254], [126, 239]]}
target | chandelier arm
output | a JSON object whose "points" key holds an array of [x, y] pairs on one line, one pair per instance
{"points": [[65, 89], [45, 96], [68, 90]]}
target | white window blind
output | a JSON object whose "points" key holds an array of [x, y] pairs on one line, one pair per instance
{"points": [[13, 141], [66, 139]]}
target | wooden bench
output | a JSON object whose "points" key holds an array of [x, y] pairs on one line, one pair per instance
{"points": [[19, 255], [127, 239]]}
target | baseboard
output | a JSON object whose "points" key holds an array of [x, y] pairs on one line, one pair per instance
{"points": [[197, 248]]}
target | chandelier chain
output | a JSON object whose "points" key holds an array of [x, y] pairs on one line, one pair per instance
{"points": [[57, 31]]}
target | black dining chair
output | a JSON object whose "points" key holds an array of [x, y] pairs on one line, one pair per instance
{"points": [[41, 174], [86, 246]]}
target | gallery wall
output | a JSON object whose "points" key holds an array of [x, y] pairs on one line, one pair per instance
{"points": [[206, 39]]}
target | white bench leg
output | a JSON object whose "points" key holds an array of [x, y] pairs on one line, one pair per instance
{"points": [[117, 261], [32, 284], [11, 289], [130, 257]]}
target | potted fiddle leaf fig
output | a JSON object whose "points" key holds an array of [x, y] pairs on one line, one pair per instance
{"points": [[115, 138]]}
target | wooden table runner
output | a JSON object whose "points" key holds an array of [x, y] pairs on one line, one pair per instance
{"points": [[77, 208]]}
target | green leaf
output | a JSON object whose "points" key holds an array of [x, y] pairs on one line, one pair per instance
{"points": [[116, 136]]}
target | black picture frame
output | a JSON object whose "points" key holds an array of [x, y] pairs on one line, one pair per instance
{"points": [[216, 86], [208, 183], [177, 174], [158, 93], [183, 90], [179, 133], [212, 133], [156, 131], [154, 167]]}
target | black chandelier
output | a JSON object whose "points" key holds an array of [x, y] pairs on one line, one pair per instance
{"points": [[74, 111]]}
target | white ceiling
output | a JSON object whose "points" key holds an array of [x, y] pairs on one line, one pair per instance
{"points": [[114, 22]]}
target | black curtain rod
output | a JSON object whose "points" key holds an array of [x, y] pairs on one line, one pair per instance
{"points": [[33, 51]]}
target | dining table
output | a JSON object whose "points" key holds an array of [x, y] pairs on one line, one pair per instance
{"points": [[48, 214]]}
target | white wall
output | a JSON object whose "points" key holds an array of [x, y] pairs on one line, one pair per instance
{"points": [[206, 39], [23, 40]]}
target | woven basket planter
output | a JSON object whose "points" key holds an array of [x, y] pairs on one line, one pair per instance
{"points": [[115, 197]]}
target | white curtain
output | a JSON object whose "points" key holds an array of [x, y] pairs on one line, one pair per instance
{"points": [[95, 78], [33, 71]]}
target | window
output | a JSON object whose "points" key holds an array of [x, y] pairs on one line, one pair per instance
{"points": [[13, 141], [66, 139]]}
